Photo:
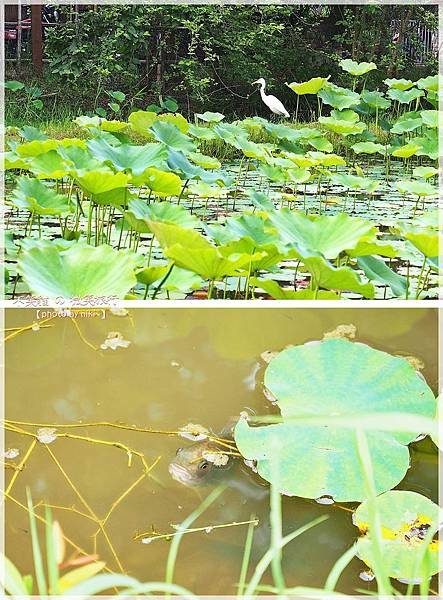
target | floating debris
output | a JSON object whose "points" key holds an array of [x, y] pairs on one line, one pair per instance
{"points": [[252, 464], [269, 396], [209, 529], [216, 458], [46, 435], [367, 575], [341, 332], [119, 312], [325, 500], [146, 540], [11, 453], [35, 326], [194, 432], [415, 362], [174, 363], [268, 355], [114, 340]]}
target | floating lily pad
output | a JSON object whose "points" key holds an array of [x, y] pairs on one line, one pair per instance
{"points": [[334, 377], [406, 519]]}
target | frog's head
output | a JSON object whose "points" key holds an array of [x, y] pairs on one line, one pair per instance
{"points": [[190, 466]]}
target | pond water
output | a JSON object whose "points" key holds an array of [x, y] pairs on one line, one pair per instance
{"points": [[183, 365]]}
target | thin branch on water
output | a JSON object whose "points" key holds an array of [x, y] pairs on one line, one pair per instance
{"points": [[208, 528], [20, 330], [21, 465]]}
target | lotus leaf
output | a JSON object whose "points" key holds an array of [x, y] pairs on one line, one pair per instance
{"points": [[342, 126], [357, 69], [355, 182], [366, 248], [324, 275], [76, 272], [375, 99], [133, 159], [312, 86], [175, 119], [338, 97], [321, 143], [33, 195], [405, 97], [112, 126], [429, 83], [162, 183], [428, 144], [376, 269], [230, 133], [31, 149], [172, 137], [424, 172], [13, 161], [139, 213], [100, 181], [428, 243], [50, 165], [418, 188], [406, 518], [399, 84], [141, 121], [210, 117], [206, 162], [332, 378], [430, 118], [404, 125], [406, 151], [324, 234], [202, 133], [278, 293], [369, 148]]}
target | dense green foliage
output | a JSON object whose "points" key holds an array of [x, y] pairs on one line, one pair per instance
{"points": [[207, 56]]}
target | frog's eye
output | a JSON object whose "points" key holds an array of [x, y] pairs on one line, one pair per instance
{"points": [[178, 451], [203, 464]]}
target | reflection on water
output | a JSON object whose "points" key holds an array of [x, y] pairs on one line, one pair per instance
{"points": [[183, 365]]}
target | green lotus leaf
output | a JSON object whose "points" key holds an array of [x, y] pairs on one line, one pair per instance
{"points": [[366, 248], [141, 121], [428, 144], [345, 115], [430, 118], [332, 378], [428, 243], [356, 69], [87, 122], [134, 159], [376, 269], [202, 133], [324, 234], [321, 143], [79, 159], [313, 86], [327, 160], [324, 275], [139, 213], [418, 188], [76, 272], [169, 234], [204, 190], [150, 275], [162, 183], [13, 85], [278, 293], [276, 174], [354, 182], [171, 136], [430, 83], [404, 125], [36, 147], [375, 99], [210, 117], [175, 119], [424, 172], [253, 150], [13, 161], [405, 96], [100, 181], [209, 263], [113, 126], [407, 150], [50, 165], [405, 518], [180, 164], [342, 126], [399, 84], [182, 280], [265, 257], [230, 133], [298, 175], [206, 162], [33, 195], [369, 148]]}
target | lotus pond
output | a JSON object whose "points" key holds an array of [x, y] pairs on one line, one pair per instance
{"points": [[92, 429], [159, 206]]}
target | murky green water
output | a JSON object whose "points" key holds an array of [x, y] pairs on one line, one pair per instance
{"points": [[183, 365]]}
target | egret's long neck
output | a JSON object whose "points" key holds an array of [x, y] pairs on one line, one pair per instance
{"points": [[262, 91]]}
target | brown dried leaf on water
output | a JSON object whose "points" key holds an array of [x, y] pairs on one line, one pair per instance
{"points": [[80, 561], [59, 542], [114, 340], [341, 332], [194, 432], [11, 453], [218, 459], [46, 435]]}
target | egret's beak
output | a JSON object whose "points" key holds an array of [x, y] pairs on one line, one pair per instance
{"points": [[254, 82]]}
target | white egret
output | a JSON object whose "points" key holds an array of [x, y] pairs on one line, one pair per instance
{"points": [[271, 101]]}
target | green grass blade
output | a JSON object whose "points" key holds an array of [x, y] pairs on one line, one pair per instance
{"points": [[276, 525], [155, 587], [246, 556], [100, 583], [339, 567], [173, 551], [266, 559], [37, 555], [51, 560]]}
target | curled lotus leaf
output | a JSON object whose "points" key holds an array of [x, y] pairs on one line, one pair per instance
{"points": [[312, 86], [407, 150], [161, 183], [369, 148], [334, 377], [375, 99], [357, 69], [405, 96], [399, 84], [172, 137], [430, 83], [408, 523], [210, 117], [430, 118], [33, 195]]}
